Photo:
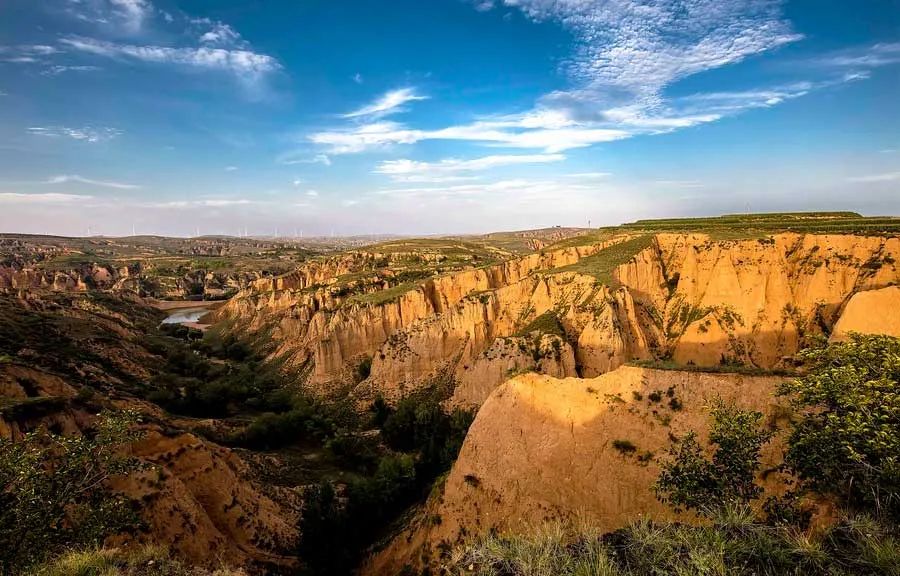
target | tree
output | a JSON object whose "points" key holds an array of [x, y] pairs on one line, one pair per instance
{"points": [[692, 480], [53, 492], [847, 440]]}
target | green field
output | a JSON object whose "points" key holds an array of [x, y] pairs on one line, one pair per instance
{"points": [[602, 264]]}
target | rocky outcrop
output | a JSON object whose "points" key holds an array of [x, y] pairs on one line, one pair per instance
{"points": [[197, 500], [544, 449]]}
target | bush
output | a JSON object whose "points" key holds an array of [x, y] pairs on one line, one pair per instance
{"points": [[53, 493], [691, 480], [847, 442]]}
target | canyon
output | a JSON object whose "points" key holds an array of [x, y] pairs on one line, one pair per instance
{"points": [[580, 354]]}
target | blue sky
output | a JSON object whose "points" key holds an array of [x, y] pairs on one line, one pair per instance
{"points": [[440, 116]]}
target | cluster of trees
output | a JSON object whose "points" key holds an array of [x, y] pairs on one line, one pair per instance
{"points": [[422, 442]]}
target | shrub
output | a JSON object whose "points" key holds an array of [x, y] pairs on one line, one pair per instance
{"points": [[624, 446], [53, 491], [690, 479], [847, 441]]}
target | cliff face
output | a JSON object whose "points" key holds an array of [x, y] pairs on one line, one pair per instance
{"points": [[685, 297]]}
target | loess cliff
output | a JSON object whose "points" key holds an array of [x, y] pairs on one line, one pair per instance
{"points": [[572, 311]]}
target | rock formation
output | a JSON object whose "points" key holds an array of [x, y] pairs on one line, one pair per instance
{"points": [[684, 297]]}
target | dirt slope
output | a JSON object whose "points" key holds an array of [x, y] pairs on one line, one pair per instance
{"points": [[542, 449]]}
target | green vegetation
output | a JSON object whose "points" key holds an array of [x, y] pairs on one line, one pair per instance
{"points": [[847, 442], [423, 442], [145, 561], [736, 226], [602, 264], [691, 480], [624, 446], [53, 493], [546, 323], [726, 368], [732, 544]]}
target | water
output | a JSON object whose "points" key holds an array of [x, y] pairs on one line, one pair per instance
{"points": [[185, 316]]}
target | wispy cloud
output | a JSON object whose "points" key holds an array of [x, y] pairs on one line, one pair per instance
{"points": [[303, 157], [873, 56], [26, 53], [449, 169], [222, 35], [65, 179], [244, 64], [626, 54], [61, 69], [390, 103], [124, 16], [208, 203], [85, 134], [874, 178], [231, 168], [386, 134], [49, 198]]}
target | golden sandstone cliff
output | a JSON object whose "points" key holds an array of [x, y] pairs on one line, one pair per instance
{"points": [[684, 297]]}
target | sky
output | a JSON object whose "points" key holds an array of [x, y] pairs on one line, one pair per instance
{"points": [[320, 117]]}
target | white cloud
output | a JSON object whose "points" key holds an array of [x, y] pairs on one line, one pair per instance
{"points": [[57, 70], [312, 193], [641, 47], [126, 16], [222, 35], [132, 12], [448, 169], [873, 56], [244, 64], [386, 134], [358, 78], [679, 183], [390, 103], [26, 53], [303, 157], [873, 178], [590, 175], [50, 198], [85, 134], [209, 203], [231, 168], [65, 179]]}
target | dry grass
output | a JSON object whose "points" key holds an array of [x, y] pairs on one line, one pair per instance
{"points": [[145, 561]]}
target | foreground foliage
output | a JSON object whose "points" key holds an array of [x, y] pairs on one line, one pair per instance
{"points": [[847, 443], [733, 545], [147, 561], [53, 493]]}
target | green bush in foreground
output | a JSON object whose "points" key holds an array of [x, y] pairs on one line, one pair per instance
{"points": [[691, 480], [847, 443], [53, 493]]}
